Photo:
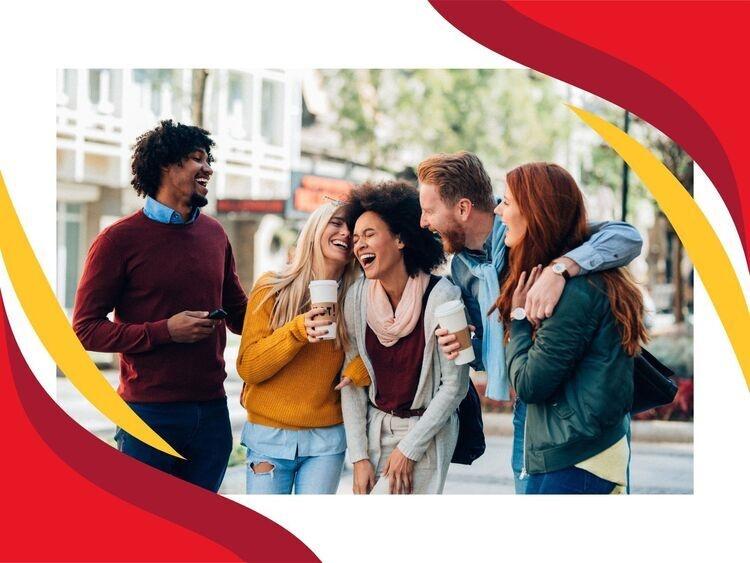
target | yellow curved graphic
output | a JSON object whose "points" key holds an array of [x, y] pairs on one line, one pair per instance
{"points": [[695, 232], [54, 330]]}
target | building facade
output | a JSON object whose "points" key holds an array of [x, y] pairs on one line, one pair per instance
{"points": [[253, 116]]}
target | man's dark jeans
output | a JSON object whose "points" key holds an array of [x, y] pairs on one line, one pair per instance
{"points": [[568, 481], [199, 431]]}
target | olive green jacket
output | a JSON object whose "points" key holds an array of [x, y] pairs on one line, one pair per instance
{"points": [[575, 377]]}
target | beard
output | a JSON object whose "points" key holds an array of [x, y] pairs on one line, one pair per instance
{"points": [[453, 239], [197, 200]]}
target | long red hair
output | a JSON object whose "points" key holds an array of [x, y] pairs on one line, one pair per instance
{"points": [[550, 201]]}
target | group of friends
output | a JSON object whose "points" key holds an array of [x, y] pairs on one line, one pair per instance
{"points": [[555, 319]]}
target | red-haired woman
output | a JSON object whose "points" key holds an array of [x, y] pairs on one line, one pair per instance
{"points": [[575, 370]]}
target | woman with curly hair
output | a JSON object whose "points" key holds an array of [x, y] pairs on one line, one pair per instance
{"points": [[401, 422], [294, 434]]}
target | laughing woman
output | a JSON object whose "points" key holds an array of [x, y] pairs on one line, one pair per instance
{"points": [[402, 429], [294, 434], [575, 370]]}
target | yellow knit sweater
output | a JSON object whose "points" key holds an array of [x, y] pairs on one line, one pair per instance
{"points": [[289, 382]]}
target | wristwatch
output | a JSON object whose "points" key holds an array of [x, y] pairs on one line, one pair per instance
{"points": [[560, 269], [518, 314]]}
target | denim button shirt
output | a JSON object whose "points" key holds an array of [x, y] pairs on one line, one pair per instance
{"points": [[157, 211], [289, 444]]}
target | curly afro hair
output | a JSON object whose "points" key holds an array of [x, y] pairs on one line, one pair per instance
{"points": [[397, 203], [168, 143]]}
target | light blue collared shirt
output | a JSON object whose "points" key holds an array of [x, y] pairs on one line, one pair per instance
{"points": [[157, 211], [612, 244], [290, 444]]}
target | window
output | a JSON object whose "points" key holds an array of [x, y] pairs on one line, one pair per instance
{"points": [[100, 90], [70, 228], [272, 112], [156, 90], [240, 105], [66, 88]]}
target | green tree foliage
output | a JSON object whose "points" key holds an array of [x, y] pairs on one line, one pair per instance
{"points": [[505, 116]]}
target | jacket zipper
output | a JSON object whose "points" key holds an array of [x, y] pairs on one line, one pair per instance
{"points": [[524, 474]]}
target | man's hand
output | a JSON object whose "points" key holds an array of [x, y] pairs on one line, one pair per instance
{"points": [[542, 298], [398, 470], [364, 477], [448, 342], [313, 327], [190, 326]]}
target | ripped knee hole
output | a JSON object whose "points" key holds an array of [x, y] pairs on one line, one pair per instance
{"points": [[262, 467]]}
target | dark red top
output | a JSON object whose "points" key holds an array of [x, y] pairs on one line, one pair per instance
{"points": [[397, 368], [146, 272]]}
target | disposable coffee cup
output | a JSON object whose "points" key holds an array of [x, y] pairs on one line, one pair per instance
{"points": [[452, 317], [324, 293]]}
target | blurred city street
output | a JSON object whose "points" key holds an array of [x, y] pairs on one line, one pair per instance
{"points": [[662, 461]]}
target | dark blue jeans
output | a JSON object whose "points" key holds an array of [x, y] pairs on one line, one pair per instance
{"points": [[569, 481], [199, 431]]}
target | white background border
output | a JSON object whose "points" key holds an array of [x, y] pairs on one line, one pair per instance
{"points": [[36, 39]]}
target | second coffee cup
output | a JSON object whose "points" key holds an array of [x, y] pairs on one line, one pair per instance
{"points": [[324, 293], [451, 316]]}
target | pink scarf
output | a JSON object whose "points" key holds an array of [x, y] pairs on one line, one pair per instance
{"points": [[387, 325]]}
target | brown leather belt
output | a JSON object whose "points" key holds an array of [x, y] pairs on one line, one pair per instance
{"points": [[401, 413]]}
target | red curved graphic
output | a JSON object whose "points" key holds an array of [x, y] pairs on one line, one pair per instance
{"points": [[674, 64], [72, 497]]}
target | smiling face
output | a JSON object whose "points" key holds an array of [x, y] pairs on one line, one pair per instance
{"points": [[441, 218], [376, 248], [510, 214], [187, 180], [336, 240]]}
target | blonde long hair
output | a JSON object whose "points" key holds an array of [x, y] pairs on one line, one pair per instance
{"points": [[290, 286]]}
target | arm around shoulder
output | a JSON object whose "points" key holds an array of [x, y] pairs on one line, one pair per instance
{"points": [[612, 244]]}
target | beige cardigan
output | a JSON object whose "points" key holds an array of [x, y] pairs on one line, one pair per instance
{"points": [[441, 388]]}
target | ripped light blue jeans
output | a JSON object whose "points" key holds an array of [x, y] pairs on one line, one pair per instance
{"points": [[305, 474]]}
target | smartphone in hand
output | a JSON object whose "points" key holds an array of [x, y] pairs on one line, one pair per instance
{"points": [[217, 314]]}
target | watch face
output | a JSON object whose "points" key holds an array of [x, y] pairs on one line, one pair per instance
{"points": [[559, 268], [518, 314]]}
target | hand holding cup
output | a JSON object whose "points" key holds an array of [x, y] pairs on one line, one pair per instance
{"points": [[316, 328], [449, 343], [454, 337]]}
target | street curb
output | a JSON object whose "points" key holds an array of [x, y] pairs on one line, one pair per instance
{"points": [[501, 424]]}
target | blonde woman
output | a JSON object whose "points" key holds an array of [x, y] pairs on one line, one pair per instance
{"points": [[294, 434]]}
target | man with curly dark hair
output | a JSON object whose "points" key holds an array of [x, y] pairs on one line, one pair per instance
{"points": [[162, 270]]}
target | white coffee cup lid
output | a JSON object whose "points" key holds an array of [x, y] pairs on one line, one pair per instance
{"points": [[320, 283], [449, 308]]}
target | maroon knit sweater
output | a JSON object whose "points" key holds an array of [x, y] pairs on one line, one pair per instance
{"points": [[146, 272]]}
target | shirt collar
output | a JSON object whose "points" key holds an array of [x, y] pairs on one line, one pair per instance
{"points": [[157, 211]]}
